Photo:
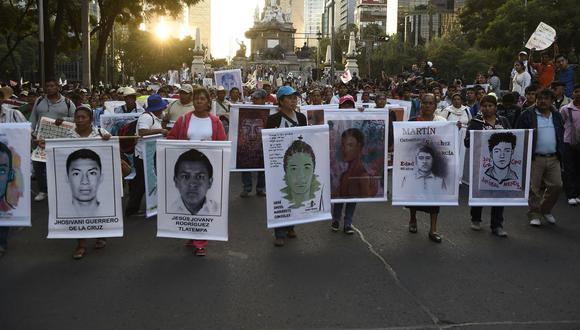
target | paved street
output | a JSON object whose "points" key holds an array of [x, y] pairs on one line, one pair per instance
{"points": [[382, 277]]}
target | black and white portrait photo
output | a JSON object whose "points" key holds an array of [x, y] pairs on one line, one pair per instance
{"points": [[84, 188], [429, 175], [193, 185], [193, 177]]}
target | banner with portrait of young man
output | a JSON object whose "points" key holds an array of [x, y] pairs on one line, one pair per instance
{"points": [[358, 154], [150, 171], [501, 165], [84, 188], [425, 163], [230, 79], [315, 113], [15, 174], [193, 189], [296, 162], [246, 124]]}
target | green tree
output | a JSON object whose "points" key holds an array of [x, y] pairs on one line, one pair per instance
{"points": [[18, 25]]}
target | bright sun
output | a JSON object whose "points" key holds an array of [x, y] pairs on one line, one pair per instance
{"points": [[162, 29]]}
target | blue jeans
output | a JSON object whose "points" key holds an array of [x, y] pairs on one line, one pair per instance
{"points": [[4, 236], [248, 184], [348, 212]]}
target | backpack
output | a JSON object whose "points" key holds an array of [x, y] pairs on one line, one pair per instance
{"points": [[127, 145], [66, 101], [575, 138]]}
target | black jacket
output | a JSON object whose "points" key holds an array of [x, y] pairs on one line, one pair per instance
{"points": [[528, 119], [478, 124], [275, 120]]}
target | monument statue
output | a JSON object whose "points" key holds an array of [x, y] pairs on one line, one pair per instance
{"points": [[242, 51], [351, 46], [273, 12], [304, 51]]}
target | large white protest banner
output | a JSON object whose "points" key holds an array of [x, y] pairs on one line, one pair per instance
{"points": [[542, 38], [150, 173], [48, 129], [315, 113], [500, 171], [15, 174], [358, 153], [229, 79], [84, 188], [296, 162], [425, 163], [193, 184], [246, 124]]}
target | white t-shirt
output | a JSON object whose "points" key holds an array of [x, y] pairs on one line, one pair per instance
{"points": [[147, 120], [199, 129]]}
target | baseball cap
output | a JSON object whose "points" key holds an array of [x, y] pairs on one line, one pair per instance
{"points": [[186, 88], [221, 88], [346, 98], [522, 52], [286, 91]]}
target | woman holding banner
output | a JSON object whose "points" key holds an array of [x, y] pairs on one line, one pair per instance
{"points": [[84, 128], [487, 119], [198, 125], [285, 117], [427, 113]]}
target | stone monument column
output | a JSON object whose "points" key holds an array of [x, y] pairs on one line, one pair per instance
{"points": [[351, 63]]}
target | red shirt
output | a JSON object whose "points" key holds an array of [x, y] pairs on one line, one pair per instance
{"points": [[546, 74]]}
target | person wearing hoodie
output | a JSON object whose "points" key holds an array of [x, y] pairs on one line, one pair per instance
{"points": [[457, 111]]}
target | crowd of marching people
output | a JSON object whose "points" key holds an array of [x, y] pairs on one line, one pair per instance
{"points": [[543, 96]]}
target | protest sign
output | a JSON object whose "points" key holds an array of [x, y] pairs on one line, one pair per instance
{"points": [[425, 163], [114, 123], [47, 129], [542, 38], [150, 172], [500, 172], [315, 113], [15, 174], [111, 105], [193, 184], [358, 151], [84, 188], [407, 105], [246, 124], [229, 79], [296, 162]]}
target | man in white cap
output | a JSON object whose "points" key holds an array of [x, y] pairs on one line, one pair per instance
{"points": [[181, 106], [220, 106], [130, 106]]}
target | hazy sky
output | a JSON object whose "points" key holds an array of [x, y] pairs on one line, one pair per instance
{"points": [[230, 19]]}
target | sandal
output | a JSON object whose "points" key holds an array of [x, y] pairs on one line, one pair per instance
{"points": [[435, 237], [79, 253], [200, 252], [100, 243], [413, 228]]}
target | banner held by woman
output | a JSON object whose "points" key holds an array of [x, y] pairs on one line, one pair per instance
{"points": [[425, 163], [193, 185], [500, 174]]}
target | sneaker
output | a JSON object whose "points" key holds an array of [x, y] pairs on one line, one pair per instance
{"points": [[499, 232], [550, 218], [261, 193], [291, 233], [279, 242], [200, 252], [573, 201], [244, 194], [40, 196], [348, 230], [435, 237], [335, 225], [535, 222], [475, 225]]}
